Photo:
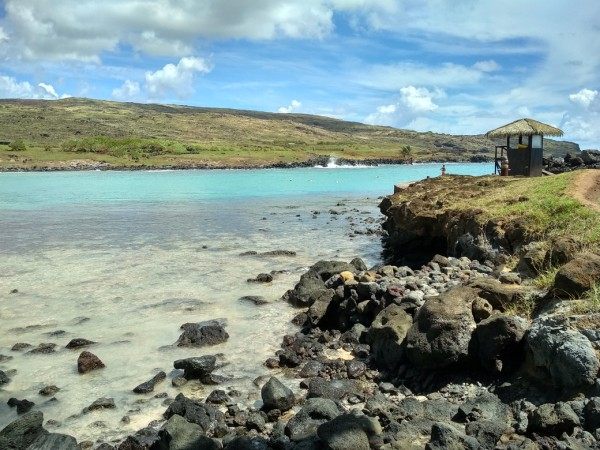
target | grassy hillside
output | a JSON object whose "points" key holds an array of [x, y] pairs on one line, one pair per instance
{"points": [[72, 131]]}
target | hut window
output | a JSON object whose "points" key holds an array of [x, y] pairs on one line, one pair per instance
{"points": [[536, 141]]}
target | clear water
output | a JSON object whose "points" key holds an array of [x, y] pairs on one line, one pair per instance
{"points": [[125, 258]]}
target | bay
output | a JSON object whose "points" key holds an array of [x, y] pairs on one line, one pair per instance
{"points": [[125, 258]]}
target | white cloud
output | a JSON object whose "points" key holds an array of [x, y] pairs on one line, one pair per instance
{"points": [[487, 66], [294, 106], [414, 102], [177, 79], [584, 98], [49, 89], [418, 99], [130, 90], [10, 87]]}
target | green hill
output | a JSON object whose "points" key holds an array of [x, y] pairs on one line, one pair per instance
{"points": [[76, 132]]}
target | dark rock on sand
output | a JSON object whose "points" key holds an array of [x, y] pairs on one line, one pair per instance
{"points": [[87, 362], [148, 386], [197, 368], [23, 406], [20, 433], [199, 334], [79, 342], [276, 395]]}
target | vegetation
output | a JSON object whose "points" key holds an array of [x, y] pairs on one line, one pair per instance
{"points": [[59, 132]]}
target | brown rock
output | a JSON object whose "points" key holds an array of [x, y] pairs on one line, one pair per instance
{"points": [[88, 361], [577, 276]]}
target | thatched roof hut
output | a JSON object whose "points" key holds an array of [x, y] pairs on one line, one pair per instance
{"points": [[524, 127], [525, 158]]}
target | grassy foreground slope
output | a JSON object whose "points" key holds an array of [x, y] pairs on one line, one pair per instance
{"points": [[74, 131]]}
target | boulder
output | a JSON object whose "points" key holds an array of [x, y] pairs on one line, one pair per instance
{"points": [[446, 437], [487, 432], [195, 412], [533, 261], [331, 389], [20, 433], [482, 309], [500, 295], [87, 362], [54, 441], [498, 342], [320, 305], [148, 386], [179, 434], [23, 406], [275, 395], [349, 432], [442, 330], [315, 412], [560, 355], [486, 407], [3, 377], [197, 368], [591, 414], [209, 332], [387, 335], [553, 419], [577, 276]]}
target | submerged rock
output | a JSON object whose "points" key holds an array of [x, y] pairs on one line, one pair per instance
{"points": [[199, 334], [78, 342], [87, 362], [148, 386]]}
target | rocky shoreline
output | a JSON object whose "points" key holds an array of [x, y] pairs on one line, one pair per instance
{"points": [[393, 357], [83, 165]]}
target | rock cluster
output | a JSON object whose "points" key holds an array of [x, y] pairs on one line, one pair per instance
{"points": [[587, 159], [391, 357]]}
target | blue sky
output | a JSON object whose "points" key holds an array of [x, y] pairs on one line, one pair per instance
{"points": [[457, 67]]}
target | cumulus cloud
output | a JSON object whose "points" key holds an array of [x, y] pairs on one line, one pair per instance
{"points": [[418, 99], [584, 98], [176, 79], [294, 106], [60, 30], [10, 87], [413, 102], [130, 90]]}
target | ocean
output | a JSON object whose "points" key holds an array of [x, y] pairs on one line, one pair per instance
{"points": [[125, 258]]}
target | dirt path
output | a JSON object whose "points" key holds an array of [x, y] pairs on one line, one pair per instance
{"points": [[586, 188]]}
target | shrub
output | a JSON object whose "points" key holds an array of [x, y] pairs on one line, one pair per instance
{"points": [[17, 146]]}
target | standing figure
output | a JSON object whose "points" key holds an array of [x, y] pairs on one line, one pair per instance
{"points": [[443, 169]]}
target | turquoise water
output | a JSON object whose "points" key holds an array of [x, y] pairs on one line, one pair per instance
{"points": [[125, 258], [44, 190]]}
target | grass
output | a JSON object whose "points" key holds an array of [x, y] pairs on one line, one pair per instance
{"points": [[590, 304]]}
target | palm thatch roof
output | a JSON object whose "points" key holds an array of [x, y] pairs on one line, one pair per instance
{"points": [[524, 127]]}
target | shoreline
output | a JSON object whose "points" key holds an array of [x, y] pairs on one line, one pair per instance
{"points": [[315, 162]]}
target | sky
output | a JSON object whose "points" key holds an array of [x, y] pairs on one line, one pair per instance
{"points": [[447, 66]]}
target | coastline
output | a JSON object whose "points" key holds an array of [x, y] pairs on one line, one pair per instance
{"points": [[81, 165]]}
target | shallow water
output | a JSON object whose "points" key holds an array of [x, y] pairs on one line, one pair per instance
{"points": [[125, 258]]}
